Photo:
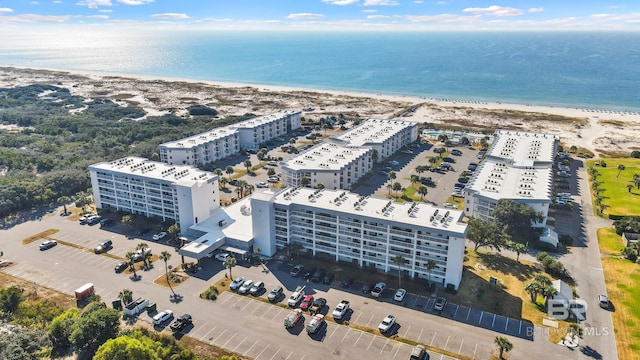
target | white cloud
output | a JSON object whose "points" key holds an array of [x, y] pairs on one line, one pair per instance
{"points": [[380, 3], [561, 21], [97, 17], [441, 3], [34, 18], [341, 2], [495, 10], [535, 10], [418, 1], [305, 16], [135, 2], [443, 18], [57, 1], [93, 4], [4, 10], [369, 10], [628, 18], [34, 3], [373, 17], [105, 10], [174, 16]]}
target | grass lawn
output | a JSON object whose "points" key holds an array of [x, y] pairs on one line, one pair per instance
{"points": [[509, 297], [622, 278], [617, 198]]}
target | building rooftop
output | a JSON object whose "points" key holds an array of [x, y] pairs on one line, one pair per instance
{"points": [[524, 149], [495, 179], [178, 174], [221, 132], [413, 213], [325, 156], [373, 131]]}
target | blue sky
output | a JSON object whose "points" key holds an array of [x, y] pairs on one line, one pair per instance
{"points": [[330, 14]]}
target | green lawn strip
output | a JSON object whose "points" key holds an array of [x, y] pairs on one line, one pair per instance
{"points": [[622, 278], [610, 242], [617, 197]]}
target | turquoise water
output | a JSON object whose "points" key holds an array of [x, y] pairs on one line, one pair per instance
{"points": [[576, 69]]}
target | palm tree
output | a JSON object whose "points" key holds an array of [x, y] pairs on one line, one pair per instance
{"points": [[548, 291], [533, 288], [504, 344], [629, 187], [519, 248], [143, 247], [414, 180], [229, 171], [574, 329], [389, 187], [399, 260], [305, 181], [620, 169], [247, 164], [165, 256], [82, 200], [218, 172], [129, 255], [271, 171], [223, 182], [127, 220], [249, 188], [397, 187], [542, 280], [240, 187], [292, 141], [320, 186], [636, 180], [64, 200], [126, 296], [430, 266], [229, 263], [419, 169], [392, 175], [374, 154], [422, 190]]}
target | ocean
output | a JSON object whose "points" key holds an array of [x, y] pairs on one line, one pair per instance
{"points": [[574, 69]]}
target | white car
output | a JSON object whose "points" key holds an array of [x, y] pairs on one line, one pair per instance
{"points": [[262, 184], [159, 236], [399, 296], [222, 256], [235, 284], [407, 151], [378, 289], [161, 317], [48, 244], [246, 286], [387, 323]]}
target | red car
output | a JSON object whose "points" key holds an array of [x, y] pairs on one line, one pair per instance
{"points": [[306, 302]]}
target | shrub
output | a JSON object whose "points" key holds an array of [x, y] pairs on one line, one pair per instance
{"points": [[541, 255], [210, 294], [635, 154]]}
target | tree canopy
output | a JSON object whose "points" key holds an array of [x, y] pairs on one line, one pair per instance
{"points": [[486, 234], [517, 219]]}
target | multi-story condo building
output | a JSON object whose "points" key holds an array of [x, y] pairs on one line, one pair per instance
{"points": [[341, 161], [140, 186], [225, 141], [384, 136], [517, 166], [366, 231], [334, 166]]}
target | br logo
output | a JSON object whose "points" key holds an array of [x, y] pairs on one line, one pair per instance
{"points": [[559, 309]]}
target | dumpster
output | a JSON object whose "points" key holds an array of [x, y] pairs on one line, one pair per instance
{"points": [[151, 308]]}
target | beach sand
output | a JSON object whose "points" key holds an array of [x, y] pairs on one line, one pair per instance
{"points": [[602, 132]]}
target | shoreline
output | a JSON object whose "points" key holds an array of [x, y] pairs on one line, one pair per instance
{"points": [[600, 131]]}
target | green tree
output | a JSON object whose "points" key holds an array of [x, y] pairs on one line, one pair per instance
{"points": [[389, 187], [320, 186], [374, 153], [64, 200], [503, 344], [392, 176], [247, 164], [60, 329], [620, 169], [305, 181], [517, 219], [127, 220], [397, 187], [548, 292], [240, 187], [10, 298], [218, 172], [422, 190], [125, 348], [414, 179], [486, 233], [271, 172], [126, 296], [223, 182], [142, 247], [21, 343], [292, 248], [82, 201], [132, 264], [229, 263], [165, 256], [399, 260], [519, 249], [292, 141], [95, 325], [430, 266], [229, 170]]}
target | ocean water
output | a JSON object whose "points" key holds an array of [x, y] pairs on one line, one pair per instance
{"points": [[575, 69]]}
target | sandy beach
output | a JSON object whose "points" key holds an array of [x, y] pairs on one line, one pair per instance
{"points": [[602, 132]]}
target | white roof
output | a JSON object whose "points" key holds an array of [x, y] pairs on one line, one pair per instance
{"points": [[175, 174], [325, 156], [496, 179], [373, 131], [564, 290], [413, 213], [523, 148]]}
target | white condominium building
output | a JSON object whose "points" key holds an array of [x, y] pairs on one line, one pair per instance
{"points": [[366, 231], [334, 166], [384, 136], [225, 141], [140, 186], [517, 166]]}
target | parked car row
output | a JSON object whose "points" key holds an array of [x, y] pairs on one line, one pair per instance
{"points": [[313, 274]]}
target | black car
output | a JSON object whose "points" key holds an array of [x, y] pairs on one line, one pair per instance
{"points": [[121, 267], [367, 287], [308, 274], [106, 222], [145, 231], [181, 322], [318, 275], [327, 279], [346, 283]]}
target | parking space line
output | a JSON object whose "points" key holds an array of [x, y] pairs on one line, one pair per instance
{"points": [[345, 335], [468, 313], [227, 299], [206, 336], [447, 343], [474, 351], [231, 338], [433, 338], [265, 349], [216, 339], [520, 328], [460, 350], [251, 347], [356, 343], [277, 314], [455, 312], [397, 349], [421, 330], [193, 334], [384, 346], [406, 332], [289, 355], [373, 337], [334, 331], [358, 318], [481, 315], [369, 320], [243, 340], [506, 324], [494, 320]]}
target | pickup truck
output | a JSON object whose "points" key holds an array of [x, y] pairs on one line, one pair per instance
{"points": [[180, 323], [292, 319], [315, 323], [341, 310], [296, 297]]}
